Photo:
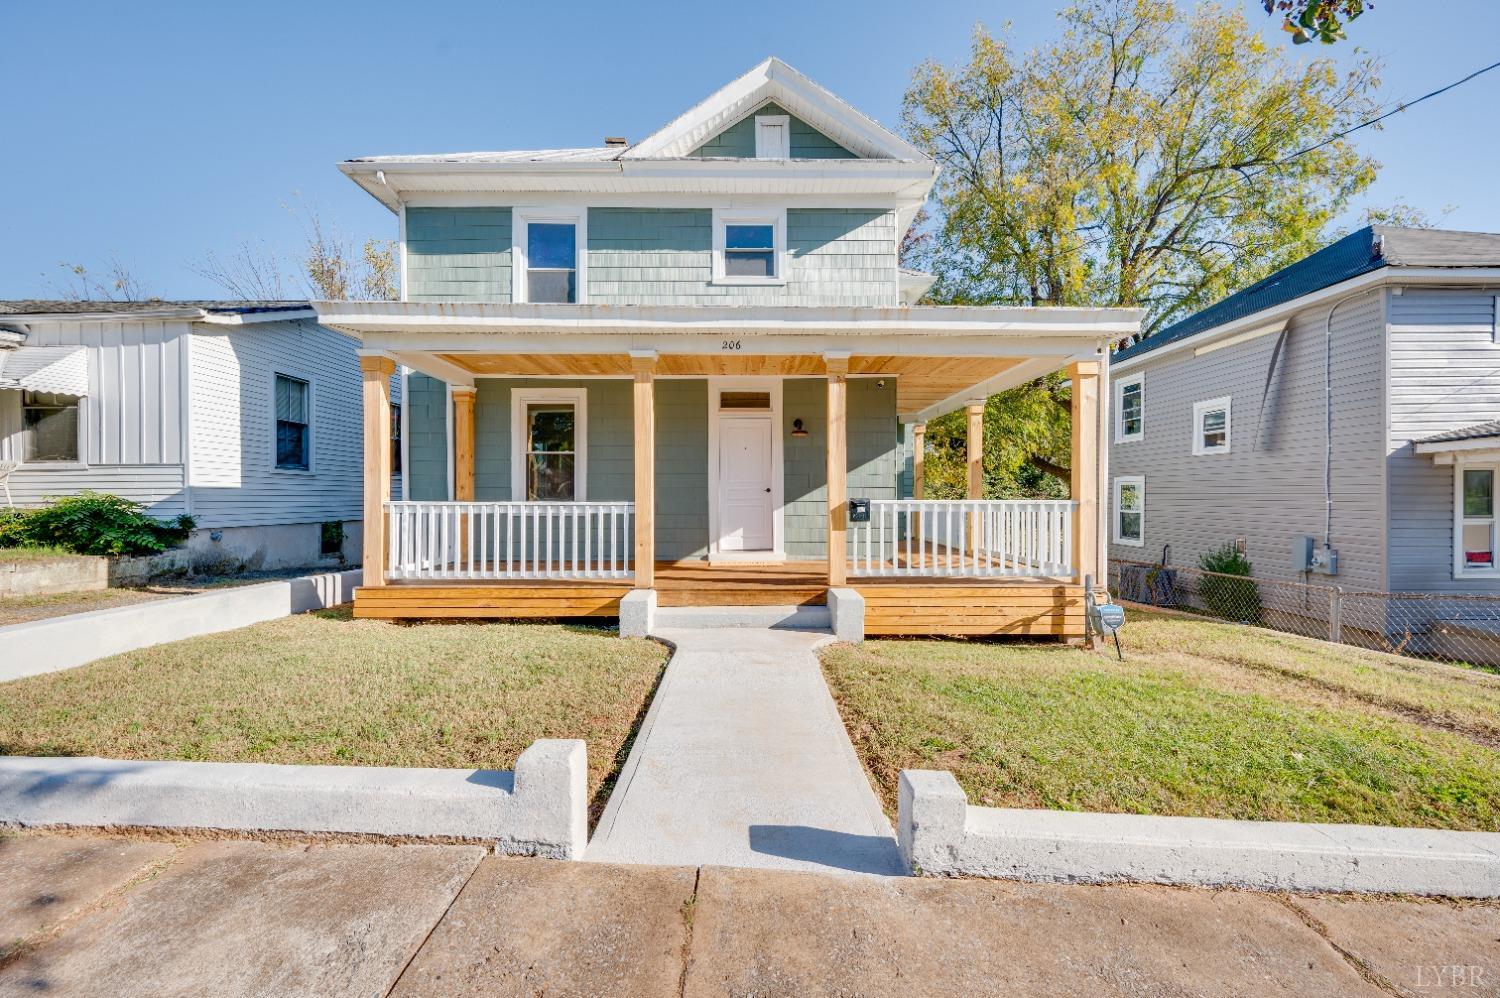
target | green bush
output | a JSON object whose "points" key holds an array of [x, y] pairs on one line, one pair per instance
{"points": [[92, 523], [1229, 592]]}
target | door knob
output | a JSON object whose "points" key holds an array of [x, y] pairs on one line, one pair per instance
{"points": [[768, 488]]}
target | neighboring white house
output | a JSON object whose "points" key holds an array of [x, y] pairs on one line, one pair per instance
{"points": [[243, 415]]}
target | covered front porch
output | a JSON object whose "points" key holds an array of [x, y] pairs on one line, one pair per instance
{"points": [[757, 466]]}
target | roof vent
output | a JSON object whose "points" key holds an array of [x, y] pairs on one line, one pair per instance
{"points": [[615, 141]]}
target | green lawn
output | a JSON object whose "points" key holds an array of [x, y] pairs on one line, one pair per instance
{"points": [[1202, 718], [34, 554], [322, 688]]}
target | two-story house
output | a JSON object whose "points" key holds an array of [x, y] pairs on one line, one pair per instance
{"points": [[690, 366]]}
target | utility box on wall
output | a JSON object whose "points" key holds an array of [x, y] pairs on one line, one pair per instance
{"points": [[1310, 556], [859, 511]]}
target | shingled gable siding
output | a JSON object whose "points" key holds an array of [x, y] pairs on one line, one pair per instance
{"points": [[1267, 490], [458, 254], [426, 437], [663, 256], [1444, 375], [738, 140]]}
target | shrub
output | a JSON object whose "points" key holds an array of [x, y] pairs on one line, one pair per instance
{"points": [[1229, 592], [93, 523]]}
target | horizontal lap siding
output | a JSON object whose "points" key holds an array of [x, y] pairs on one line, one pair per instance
{"points": [[681, 469], [1268, 489], [458, 254], [1444, 375], [426, 437], [158, 487], [233, 474], [610, 468]]}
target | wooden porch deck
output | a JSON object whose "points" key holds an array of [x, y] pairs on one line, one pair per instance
{"points": [[894, 605]]}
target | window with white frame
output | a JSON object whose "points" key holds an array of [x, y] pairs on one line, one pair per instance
{"points": [[749, 247], [1474, 526], [1130, 408], [773, 136], [549, 258], [1211, 426], [548, 445], [1130, 510], [293, 424], [49, 427]]}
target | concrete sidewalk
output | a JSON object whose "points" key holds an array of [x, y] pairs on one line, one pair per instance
{"points": [[101, 916], [743, 760]]}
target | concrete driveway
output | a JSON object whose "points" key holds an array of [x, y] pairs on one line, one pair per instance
{"points": [[101, 916]]}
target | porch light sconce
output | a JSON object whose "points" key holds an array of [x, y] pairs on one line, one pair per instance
{"points": [[797, 428]]}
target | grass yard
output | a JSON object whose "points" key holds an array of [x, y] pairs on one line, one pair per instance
{"points": [[322, 688], [1201, 718]]}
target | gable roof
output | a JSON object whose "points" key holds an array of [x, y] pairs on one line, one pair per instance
{"points": [[1479, 431], [773, 81], [1369, 249]]}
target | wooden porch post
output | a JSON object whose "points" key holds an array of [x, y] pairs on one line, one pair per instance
{"points": [[918, 473], [974, 443], [1085, 473], [463, 458], [376, 371], [644, 365], [838, 467]]}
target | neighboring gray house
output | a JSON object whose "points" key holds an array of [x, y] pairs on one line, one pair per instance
{"points": [[243, 415], [1348, 399]]}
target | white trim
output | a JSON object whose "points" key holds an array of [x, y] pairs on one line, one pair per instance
{"points": [[451, 464], [765, 148], [519, 399], [1201, 409], [402, 247], [521, 219], [1139, 481], [1460, 570], [1138, 380], [295, 374], [716, 385], [1440, 447], [1245, 337], [405, 438], [775, 218]]}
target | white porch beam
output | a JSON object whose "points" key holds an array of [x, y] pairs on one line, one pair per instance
{"points": [[436, 367]]}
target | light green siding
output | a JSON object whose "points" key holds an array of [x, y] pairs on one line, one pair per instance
{"points": [[738, 140], [681, 469], [664, 256], [458, 254], [610, 468], [426, 437]]}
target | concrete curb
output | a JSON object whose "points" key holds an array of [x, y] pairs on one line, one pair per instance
{"points": [[540, 809], [58, 643], [940, 835]]}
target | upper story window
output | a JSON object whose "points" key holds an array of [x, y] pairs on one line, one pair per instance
{"points": [[1474, 527], [749, 247], [1211, 426], [550, 259], [293, 424], [773, 136], [49, 427], [1130, 408]]}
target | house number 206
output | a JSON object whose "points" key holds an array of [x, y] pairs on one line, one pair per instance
{"points": [[731, 345]]}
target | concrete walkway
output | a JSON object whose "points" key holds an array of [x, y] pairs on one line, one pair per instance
{"points": [[107, 916], [743, 761]]}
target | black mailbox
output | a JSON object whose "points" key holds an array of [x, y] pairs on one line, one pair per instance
{"points": [[859, 511]]}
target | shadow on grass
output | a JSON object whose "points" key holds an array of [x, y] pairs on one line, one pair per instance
{"points": [[607, 786]]}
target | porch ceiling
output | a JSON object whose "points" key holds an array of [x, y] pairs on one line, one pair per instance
{"points": [[921, 382]]}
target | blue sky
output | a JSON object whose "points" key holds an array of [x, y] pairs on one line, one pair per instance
{"points": [[158, 132]]}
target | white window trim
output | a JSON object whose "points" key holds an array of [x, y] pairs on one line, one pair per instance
{"points": [[716, 386], [519, 399], [15, 446], [1121, 437], [312, 422], [1139, 481], [763, 147], [1200, 409], [1460, 570], [774, 217], [520, 221]]}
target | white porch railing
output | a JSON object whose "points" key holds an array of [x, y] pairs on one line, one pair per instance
{"points": [[510, 540], [977, 538]]}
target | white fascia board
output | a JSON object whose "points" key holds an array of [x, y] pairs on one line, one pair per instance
{"points": [[253, 318], [1384, 277], [165, 312], [1458, 446]]}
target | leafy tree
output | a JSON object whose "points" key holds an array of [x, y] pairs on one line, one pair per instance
{"points": [[1152, 156], [1324, 20]]}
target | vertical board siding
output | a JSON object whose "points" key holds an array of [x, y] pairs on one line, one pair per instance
{"points": [[1444, 375], [232, 467], [738, 140], [458, 254], [1269, 488], [664, 256]]}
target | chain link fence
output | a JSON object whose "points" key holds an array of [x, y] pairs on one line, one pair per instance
{"points": [[1445, 628]]}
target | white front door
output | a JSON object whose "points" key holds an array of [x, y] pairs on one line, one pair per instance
{"points": [[745, 468]]}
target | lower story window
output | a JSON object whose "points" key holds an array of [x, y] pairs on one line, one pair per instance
{"points": [[548, 445], [395, 438], [1130, 510], [49, 427], [1476, 519], [293, 425]]}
